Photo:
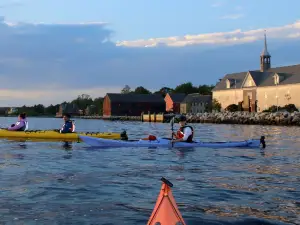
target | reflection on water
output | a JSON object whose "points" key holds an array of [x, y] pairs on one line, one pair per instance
{"points": [[67, 183]]}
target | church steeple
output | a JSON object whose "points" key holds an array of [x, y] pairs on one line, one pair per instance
{"points": [[265, 58]]}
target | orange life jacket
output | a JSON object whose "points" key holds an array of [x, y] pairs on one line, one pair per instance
{"points": [[180, 134]]}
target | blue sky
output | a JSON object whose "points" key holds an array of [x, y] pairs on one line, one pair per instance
{"points": [[56, 52], [135, 19]]}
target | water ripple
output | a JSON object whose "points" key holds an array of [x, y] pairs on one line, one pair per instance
{"points": [[47, 183]]}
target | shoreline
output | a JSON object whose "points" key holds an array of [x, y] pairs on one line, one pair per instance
{"points": [[243, 118], [112, 118], [247, 118]]}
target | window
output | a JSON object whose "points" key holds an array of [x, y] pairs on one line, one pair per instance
{"points": [[276, 79], [227, 83]]}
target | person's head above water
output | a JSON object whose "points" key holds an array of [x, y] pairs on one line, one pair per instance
{"points": [[182, 120], [66, 116], [22, 116]]}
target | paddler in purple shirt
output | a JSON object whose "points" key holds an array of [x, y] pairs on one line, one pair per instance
{"points": [[21, 125]]}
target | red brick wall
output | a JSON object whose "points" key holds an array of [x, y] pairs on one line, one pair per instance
{"points": [[176, 108], [106, 106], [135, 109]]}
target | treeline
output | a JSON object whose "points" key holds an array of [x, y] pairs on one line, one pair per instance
{"points": [[91, 106], [186, 88], [83, 102]]}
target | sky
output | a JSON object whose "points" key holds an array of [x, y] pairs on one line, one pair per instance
{"points": [[51, 51]]}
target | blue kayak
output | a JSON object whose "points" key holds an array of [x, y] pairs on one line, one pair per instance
{"points": [[165, 142]]}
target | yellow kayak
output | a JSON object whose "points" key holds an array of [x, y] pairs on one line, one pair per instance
{"points": [[52, 135]]}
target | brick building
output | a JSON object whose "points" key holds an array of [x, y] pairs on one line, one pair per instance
{"points": [[131, 104]]}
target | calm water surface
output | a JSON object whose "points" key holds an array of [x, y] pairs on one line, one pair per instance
{"points": [[45, 183]]}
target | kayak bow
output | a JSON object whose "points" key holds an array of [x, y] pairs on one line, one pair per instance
{"points": [[166, 211]]}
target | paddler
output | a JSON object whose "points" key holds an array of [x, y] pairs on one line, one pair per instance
{"points": [[20, 125], [69, 126], [185, 132]]}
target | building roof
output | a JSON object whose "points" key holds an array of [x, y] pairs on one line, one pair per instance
{"points": [[177, 97], [290, 74], [239, 77], [131, 97], [197, 98]]}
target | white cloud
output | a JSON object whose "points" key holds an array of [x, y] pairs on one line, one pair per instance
{"points": [[219, 38], [13, 24], [294, 35], [217, 4], [11, 4], [238, 7], [233, 16]]}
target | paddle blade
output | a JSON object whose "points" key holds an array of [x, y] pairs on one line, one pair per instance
{"points": [[166, 211]]}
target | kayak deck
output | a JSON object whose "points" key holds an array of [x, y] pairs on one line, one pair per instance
{"points": [[53, 135], [165, 142], [166, 211]]}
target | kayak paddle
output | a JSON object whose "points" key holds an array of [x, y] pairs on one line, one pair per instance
{"points": [[172, 128]]}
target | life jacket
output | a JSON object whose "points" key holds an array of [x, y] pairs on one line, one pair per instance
{"points": [[71, 129], [73, 126], [180, 133], [25, 127]]}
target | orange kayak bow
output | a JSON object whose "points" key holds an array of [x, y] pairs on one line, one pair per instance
{"points": [[166, 211]]}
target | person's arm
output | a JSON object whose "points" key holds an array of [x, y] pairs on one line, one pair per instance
{"points": [[187, 132], [17, 126]]}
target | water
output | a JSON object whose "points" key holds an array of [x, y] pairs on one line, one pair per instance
{"points": [[47, 183]]}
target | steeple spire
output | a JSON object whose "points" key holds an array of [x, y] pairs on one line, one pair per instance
{"points": [[265, 51], [265, 57]]}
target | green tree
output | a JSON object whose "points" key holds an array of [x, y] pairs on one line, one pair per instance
{"points": [[141, 90], [216, 105], [82, 101], [39, 109], [186, 88], [164, 90], [126, 90], [205, 89], [98, 102], [232, 108], [51, 109]]}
